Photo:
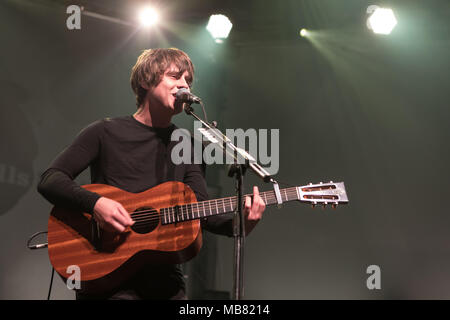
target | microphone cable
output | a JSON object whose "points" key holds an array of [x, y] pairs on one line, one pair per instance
{"points": [[41, 246]]}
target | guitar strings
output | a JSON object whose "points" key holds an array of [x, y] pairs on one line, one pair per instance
{"points": [[202, 205], [150, 215], [263, 194], [144, 217]]}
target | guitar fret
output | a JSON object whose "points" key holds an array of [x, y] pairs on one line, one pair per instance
{"points": [[204, 214], [210, 213], [173, 215], [231, 204], [293, 195], [285, 194], [223, 203]]}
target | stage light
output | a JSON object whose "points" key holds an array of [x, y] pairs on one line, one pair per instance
{"points": [[219, 26], [148, 17], [303, 32], [382, 20]]}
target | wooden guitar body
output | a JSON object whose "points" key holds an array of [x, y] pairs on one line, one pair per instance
{"points": [[106, 259]]}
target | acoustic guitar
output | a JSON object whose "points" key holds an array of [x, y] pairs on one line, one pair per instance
{"points": [[166, 229]]}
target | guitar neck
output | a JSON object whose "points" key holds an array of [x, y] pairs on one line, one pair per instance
{"points": [[208, 208]]}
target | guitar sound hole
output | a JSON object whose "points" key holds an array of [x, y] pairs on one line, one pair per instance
{"points": [[146, 220]]}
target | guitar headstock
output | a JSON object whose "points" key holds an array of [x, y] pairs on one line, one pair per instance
{"points": [[332, 193]]}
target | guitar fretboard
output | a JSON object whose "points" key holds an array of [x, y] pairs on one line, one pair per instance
{"points": [[203, 209]]}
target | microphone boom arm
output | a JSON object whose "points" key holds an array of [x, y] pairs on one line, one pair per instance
{"points": [[224, 142]]}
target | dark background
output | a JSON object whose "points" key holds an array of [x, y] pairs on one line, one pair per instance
{"points": [[351, 106]]}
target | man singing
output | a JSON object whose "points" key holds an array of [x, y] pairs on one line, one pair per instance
{"points": [[133, 153]]}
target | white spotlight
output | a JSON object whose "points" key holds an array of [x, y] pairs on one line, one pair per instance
{"points": [[382, 20], [304, 32], [219, 26], [148, 17]]}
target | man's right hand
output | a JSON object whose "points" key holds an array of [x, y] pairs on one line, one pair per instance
{"points": [[111, 215]]}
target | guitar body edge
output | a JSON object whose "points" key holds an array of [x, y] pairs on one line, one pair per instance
{"points": [[113, 279]]}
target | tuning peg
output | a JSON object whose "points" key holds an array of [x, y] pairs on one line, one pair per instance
{"points": [[324, 205], [331, 181], [313, 205], [334, 205]]}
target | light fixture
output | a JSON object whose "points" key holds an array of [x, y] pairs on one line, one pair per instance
{"points": [[148, 17], [382, 20], [303, 32], [219, 26]]}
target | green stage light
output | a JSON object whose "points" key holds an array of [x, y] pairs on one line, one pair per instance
{"points": [[304, 32], [382, 20], [219, 26]]}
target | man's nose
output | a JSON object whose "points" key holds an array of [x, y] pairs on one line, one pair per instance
{"points": [[182, 83]]}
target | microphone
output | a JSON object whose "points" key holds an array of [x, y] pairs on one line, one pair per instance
{"points": [[184, 95]]}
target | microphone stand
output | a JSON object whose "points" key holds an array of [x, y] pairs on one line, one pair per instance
{"points": [[236, 170]]}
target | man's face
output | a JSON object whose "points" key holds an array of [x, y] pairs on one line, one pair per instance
{"points": [[164, 94]]}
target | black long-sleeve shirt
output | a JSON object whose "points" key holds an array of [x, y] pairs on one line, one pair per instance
{"points": [[127, 154]]}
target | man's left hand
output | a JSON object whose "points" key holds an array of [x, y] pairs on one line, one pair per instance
{"points": [[253, 210]]}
